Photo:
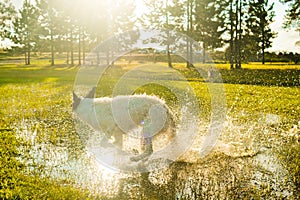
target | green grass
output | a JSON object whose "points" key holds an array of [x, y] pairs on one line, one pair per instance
{"points": [[38, 72], [40, 97], [15, 184]]}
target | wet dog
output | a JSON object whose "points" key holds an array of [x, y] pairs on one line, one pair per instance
{"points": [[122, 114]]}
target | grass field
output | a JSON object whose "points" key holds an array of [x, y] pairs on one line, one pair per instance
{"points": [[36, 99]]}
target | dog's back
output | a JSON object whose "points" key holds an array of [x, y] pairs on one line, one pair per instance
{"points": [[122, 114]]}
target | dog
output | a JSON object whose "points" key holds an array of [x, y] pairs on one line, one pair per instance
{"points": [[122, 114]]}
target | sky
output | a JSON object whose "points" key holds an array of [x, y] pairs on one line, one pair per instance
{"points": [[285, 40]]}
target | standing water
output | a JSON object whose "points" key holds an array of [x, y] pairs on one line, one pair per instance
{"points": [[240, 166]]}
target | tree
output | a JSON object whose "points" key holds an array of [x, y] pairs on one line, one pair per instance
{"points": [[171, 15], [121, 19], [209, 23], [183, 15], [160, 18], [50, 19], [7, 15], [65, 26], [26, 29], [104, 20], [235, 26], [261, 15], [293, 14], [190, 4], [231, 19]]}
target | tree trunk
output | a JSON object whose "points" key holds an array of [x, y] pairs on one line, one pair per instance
{"points": [[168, 37], [204, 53], [169, 58], [112, 55], [191, 30], [263, 53], [188, 31], [108, 52], [112, 58], [191, 55], [28, 55], [83, 48], [52, 55], [231, 36], [79, 46], [107, 57], [187, 53], [25, 57], [72, 52], [52, 47], [236, 34], [98, 57], [98, 52], [240, 37], [263, 41]]}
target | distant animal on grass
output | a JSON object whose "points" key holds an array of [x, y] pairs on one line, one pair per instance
{"points": [[122, 114]]}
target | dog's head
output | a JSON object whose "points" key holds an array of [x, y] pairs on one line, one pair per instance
{"points": [[77, 99]]}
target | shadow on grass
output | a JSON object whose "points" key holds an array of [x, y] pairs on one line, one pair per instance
{"points": [[62, 73], [263, 77], [26, 74]]}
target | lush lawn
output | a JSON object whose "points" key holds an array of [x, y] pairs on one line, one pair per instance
{"points": [[37, 98]]}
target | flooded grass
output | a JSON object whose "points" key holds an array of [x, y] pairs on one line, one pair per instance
{"points": [[257, 155]]}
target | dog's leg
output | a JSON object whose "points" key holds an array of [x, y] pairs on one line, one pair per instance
{"points": [[118, 138], [146, 143]]}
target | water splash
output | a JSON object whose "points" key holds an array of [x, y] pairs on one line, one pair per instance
{"points": [[241, 156]]}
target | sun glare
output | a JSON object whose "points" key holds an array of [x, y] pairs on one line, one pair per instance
{"points": [[140, 8]]}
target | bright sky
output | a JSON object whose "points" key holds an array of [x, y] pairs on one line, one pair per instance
{"points": [[285, 40]]}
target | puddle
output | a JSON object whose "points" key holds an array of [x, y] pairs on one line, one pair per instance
{"points": [[237, 169]]}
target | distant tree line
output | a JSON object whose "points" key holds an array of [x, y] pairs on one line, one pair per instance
{"points": [[240, 26], [284, 57]]}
